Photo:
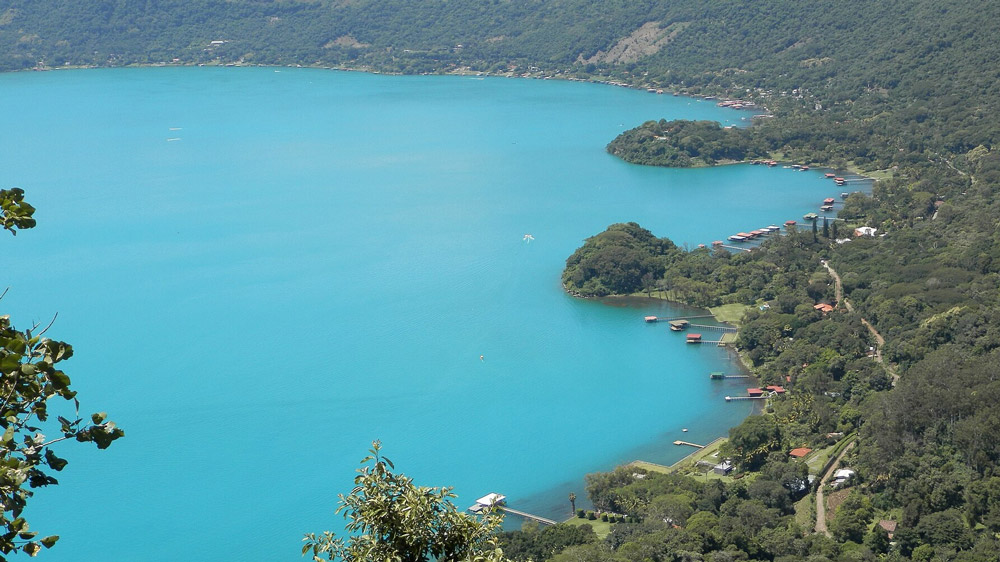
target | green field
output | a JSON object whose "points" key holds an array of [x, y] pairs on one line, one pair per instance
{"points": [[601, 528], [729, 313]]}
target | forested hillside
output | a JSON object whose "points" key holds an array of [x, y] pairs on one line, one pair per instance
{"points": [[907, 88]]}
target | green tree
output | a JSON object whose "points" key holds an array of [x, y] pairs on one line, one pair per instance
{"points": [[390, 519], [751, 441], [30, 379]]}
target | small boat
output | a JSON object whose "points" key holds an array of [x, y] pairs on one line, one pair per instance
{"points": [[843, 195], [810, 216]]}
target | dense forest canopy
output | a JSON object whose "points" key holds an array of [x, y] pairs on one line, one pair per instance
{"points": [[897, 376]]}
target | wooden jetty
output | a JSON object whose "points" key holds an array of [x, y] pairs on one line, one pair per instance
{"points": [[695, 445], [728, 247], [528, 515], [721, 376], [731, 398], [688, 317], [719, 328]]}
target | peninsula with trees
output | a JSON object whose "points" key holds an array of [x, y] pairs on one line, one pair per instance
{"points": [[896, 381]]}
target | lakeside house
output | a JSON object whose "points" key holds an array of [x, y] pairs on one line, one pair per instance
{"points": [[865, 231], [723, 468], [823, 307], [799, 452]]}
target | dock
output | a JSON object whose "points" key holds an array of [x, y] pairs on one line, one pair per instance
{"points": [[688, 317], [719, 328], [722, 376], [542, 520], [498, 501], [695, 445], [728, 247], [731, 398]]}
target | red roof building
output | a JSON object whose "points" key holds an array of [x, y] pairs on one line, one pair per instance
{"points": [[754, 392], [694, 338], [823, 307], [776, 388], [800, 452], [889, 526]]}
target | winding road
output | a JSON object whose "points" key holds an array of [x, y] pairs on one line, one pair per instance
{"points": [[879, 340]]}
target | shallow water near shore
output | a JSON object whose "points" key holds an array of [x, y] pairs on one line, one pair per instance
{"points": [[262, 270]]}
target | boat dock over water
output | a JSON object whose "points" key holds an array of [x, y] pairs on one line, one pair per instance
{"points": [[528, 516], [689, 444], [722, 376], [713, 327], [498, 501]]}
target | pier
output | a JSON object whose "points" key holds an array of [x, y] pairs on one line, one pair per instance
{"points": [[695, 445], [688, 317], [719, 328], [542, 520], [731, 398], [728, 247], [722, 376]]}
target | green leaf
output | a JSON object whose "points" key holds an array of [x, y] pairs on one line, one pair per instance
{"points": [[9, 362], [49, 541], [59, 379], [53, 461]]}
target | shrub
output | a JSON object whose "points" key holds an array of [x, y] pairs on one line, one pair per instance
{"points": [[581, 513], [604, 517], [591, 515]]}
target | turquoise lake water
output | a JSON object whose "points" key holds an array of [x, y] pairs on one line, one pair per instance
{"points": [[262, 271]]}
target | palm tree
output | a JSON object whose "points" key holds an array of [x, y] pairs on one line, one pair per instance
{"points": [[572, 501]]}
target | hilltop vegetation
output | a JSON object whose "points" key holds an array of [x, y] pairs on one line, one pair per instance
{"points": [[905, 87]]}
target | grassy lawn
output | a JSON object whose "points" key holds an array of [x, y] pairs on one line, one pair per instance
{"points": [[602, 528], [729, 313], [652, 467], [817, 459], [805, 510]]}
